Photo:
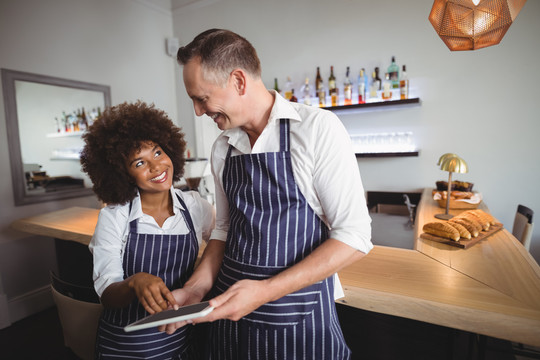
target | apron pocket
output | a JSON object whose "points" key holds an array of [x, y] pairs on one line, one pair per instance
{"points": [[286, 311]]}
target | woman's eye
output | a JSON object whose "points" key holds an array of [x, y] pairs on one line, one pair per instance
{"points": [[138, 163], [158, 152]]}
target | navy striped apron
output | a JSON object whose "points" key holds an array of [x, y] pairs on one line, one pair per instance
{"points": [[272, 227], [170, 257]]}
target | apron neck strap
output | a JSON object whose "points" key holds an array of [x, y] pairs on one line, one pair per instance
{"points": [[284, 137]]}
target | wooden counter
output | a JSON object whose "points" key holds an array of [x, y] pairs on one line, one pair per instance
{"points": [[492, 288]]}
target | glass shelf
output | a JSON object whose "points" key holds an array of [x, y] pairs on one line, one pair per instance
{"points": [[374, 104], [387, 154]]}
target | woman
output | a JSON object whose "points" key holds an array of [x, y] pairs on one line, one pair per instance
{"points": [[147, 237]]}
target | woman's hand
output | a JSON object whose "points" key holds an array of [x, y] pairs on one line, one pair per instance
{"points": [[152, 292]]}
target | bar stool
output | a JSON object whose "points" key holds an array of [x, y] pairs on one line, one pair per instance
{"points": [[523, 225], [79, 311]]}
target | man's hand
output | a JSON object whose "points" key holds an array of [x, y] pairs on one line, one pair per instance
{"points": [[152, 292], [240, 299], [183, 297]]}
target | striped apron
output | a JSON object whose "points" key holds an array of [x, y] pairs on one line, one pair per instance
{"points": [[170, 257], [272, 227]]}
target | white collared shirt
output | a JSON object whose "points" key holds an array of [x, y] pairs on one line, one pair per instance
{"points": [[110, 237], [324, 167]]}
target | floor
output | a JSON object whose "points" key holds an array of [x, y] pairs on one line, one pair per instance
{"points": [[369, 335]]}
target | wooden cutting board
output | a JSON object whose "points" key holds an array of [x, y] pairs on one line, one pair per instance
{"points": [[464, 243]]}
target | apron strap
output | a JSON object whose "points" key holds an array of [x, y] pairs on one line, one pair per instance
{"points": [[284, 136], [186, 215]]}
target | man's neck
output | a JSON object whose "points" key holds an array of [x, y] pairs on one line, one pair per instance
{"points": [[262, 102]]}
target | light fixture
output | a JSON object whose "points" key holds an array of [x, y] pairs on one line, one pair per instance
{"points": [[473, 24], [452, 163]]}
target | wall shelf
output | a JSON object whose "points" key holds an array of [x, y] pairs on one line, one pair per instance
{"points": [[387, 154], [374, 104]]}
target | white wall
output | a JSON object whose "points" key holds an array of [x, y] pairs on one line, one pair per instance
{"points": [[481, 105], [119, 43]]}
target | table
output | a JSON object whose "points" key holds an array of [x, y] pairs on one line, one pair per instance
{"points": [[492, 288]]}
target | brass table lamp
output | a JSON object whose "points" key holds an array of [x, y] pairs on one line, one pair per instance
{"points": [[451, 163]]}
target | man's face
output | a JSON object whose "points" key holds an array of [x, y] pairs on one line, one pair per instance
{"points": [[215, 101]]}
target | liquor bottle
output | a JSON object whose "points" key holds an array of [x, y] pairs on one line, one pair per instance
{"points": [[393, 71], [318, 81], [293, 98], [387, 86], [276, 87], [332, 89], [362, 87], [307, 92], [288, 88], [378, 79], [374, 87], [404, 84], [347, 89]]}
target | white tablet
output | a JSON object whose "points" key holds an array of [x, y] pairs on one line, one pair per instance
{"points": [[170, 316]]}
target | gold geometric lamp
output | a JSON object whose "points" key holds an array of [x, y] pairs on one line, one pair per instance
{"points": [[451, 163], [473, 24]]}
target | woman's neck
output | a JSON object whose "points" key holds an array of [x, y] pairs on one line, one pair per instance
{"points": [[158, 205]]}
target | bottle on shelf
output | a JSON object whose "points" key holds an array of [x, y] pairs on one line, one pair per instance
{"points": [[306, 91], [393, 71], [319, 88], [375, 84], [404, 84], [288, 88], [332, 88], [293, 98], [276, 87], [362, 87], [347, 88], [387, 88], [378, 79], [318, 80]]}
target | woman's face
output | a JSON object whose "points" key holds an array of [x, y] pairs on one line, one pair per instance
{"points": [[151, 168]]}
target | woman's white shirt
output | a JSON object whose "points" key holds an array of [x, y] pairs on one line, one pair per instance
{"points": [[110, 237]]}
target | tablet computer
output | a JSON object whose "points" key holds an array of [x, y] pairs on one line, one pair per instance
{"points": [[170, 316]]}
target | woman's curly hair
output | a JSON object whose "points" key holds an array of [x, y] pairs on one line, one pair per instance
{"points": [[112, 138]]}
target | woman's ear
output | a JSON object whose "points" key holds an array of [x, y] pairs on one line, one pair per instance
{"points": [[238, 77]]}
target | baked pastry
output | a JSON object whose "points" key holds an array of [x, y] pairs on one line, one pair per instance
{"points": [[441, 229], [463, 232], [481, 219], [487, 216], [472, 227]]}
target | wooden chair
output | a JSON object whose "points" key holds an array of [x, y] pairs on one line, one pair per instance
{"points": [[79, 311], [523, 225]]}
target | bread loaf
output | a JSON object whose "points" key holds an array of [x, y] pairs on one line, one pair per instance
{"points": [[441, 229], [467, 224], [487, 216], [473, 220], [472, 215], [463, 232]]}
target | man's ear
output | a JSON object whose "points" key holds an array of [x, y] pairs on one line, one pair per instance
{"points": [[238, 77]]}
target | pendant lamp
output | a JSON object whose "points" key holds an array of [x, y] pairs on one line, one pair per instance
{"points": [[473, 24]]}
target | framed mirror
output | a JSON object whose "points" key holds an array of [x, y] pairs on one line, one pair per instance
{"points": [[45, 118]]}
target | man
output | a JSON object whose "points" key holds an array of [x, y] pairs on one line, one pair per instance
{"points": [[290, 205]]}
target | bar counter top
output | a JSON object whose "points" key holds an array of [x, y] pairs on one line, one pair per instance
{"points": [[491, 288]]}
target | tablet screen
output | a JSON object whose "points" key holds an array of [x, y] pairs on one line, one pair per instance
{"points": [[170, 316]]}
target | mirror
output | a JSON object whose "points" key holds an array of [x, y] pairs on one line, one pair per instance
{"points": [[45, 118]]}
